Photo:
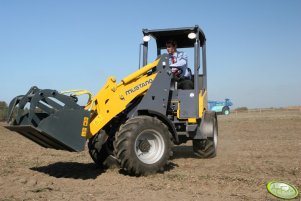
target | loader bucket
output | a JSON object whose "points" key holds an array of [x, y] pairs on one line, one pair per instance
{"points": [[50, 119]]}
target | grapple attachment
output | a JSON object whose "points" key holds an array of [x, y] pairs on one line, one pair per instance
{"points": [[51, 119]]}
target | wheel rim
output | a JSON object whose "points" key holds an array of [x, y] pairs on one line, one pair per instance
{"points": [[227, 112], [149, 146]]}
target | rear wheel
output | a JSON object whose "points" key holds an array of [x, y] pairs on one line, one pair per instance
{"points": [[207, 148], [226, 110], [143, 145], [100, 148]]}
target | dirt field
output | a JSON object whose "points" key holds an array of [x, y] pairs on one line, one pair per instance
{"points": [[253, 149]]}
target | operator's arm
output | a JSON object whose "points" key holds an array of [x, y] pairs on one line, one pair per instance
{"points": [[181, 60]]}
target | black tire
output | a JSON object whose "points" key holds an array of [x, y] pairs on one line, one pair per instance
{"points": [[207, 148], [143, 145], [226, 110], [100, 148]]}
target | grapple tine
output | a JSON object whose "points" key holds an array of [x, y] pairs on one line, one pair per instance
{"points": [[12, 106]]}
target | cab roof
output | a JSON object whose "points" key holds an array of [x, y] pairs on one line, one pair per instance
{"points": [[180, 35]]}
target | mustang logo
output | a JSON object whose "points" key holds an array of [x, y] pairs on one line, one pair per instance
{"points": [[138, 86]]}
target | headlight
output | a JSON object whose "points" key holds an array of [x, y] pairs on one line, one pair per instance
{"points": [[146, 38], [192, 36]]}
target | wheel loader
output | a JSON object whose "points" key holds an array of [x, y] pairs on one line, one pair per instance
{"points": [[136, 121]]}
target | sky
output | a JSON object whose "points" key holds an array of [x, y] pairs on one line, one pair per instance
{"points": [[253, 47]]}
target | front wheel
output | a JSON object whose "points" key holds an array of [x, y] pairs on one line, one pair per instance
{"points": [[100, 148], [143, 145]]}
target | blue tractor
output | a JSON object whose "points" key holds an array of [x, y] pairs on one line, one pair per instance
{"points": [[220, 107]]}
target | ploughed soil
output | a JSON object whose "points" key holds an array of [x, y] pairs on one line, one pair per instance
{"points": [[253, 148]]}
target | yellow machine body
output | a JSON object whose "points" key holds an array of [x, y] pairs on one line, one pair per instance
{"points": [[114, 97]]}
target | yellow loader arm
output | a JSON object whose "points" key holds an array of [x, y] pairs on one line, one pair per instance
{"points": [[113, 98]]}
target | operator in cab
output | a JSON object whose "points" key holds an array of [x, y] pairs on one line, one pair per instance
{"points": [[178, 64]]}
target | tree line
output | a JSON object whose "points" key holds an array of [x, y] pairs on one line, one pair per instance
{"points": [[3, 110]]}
